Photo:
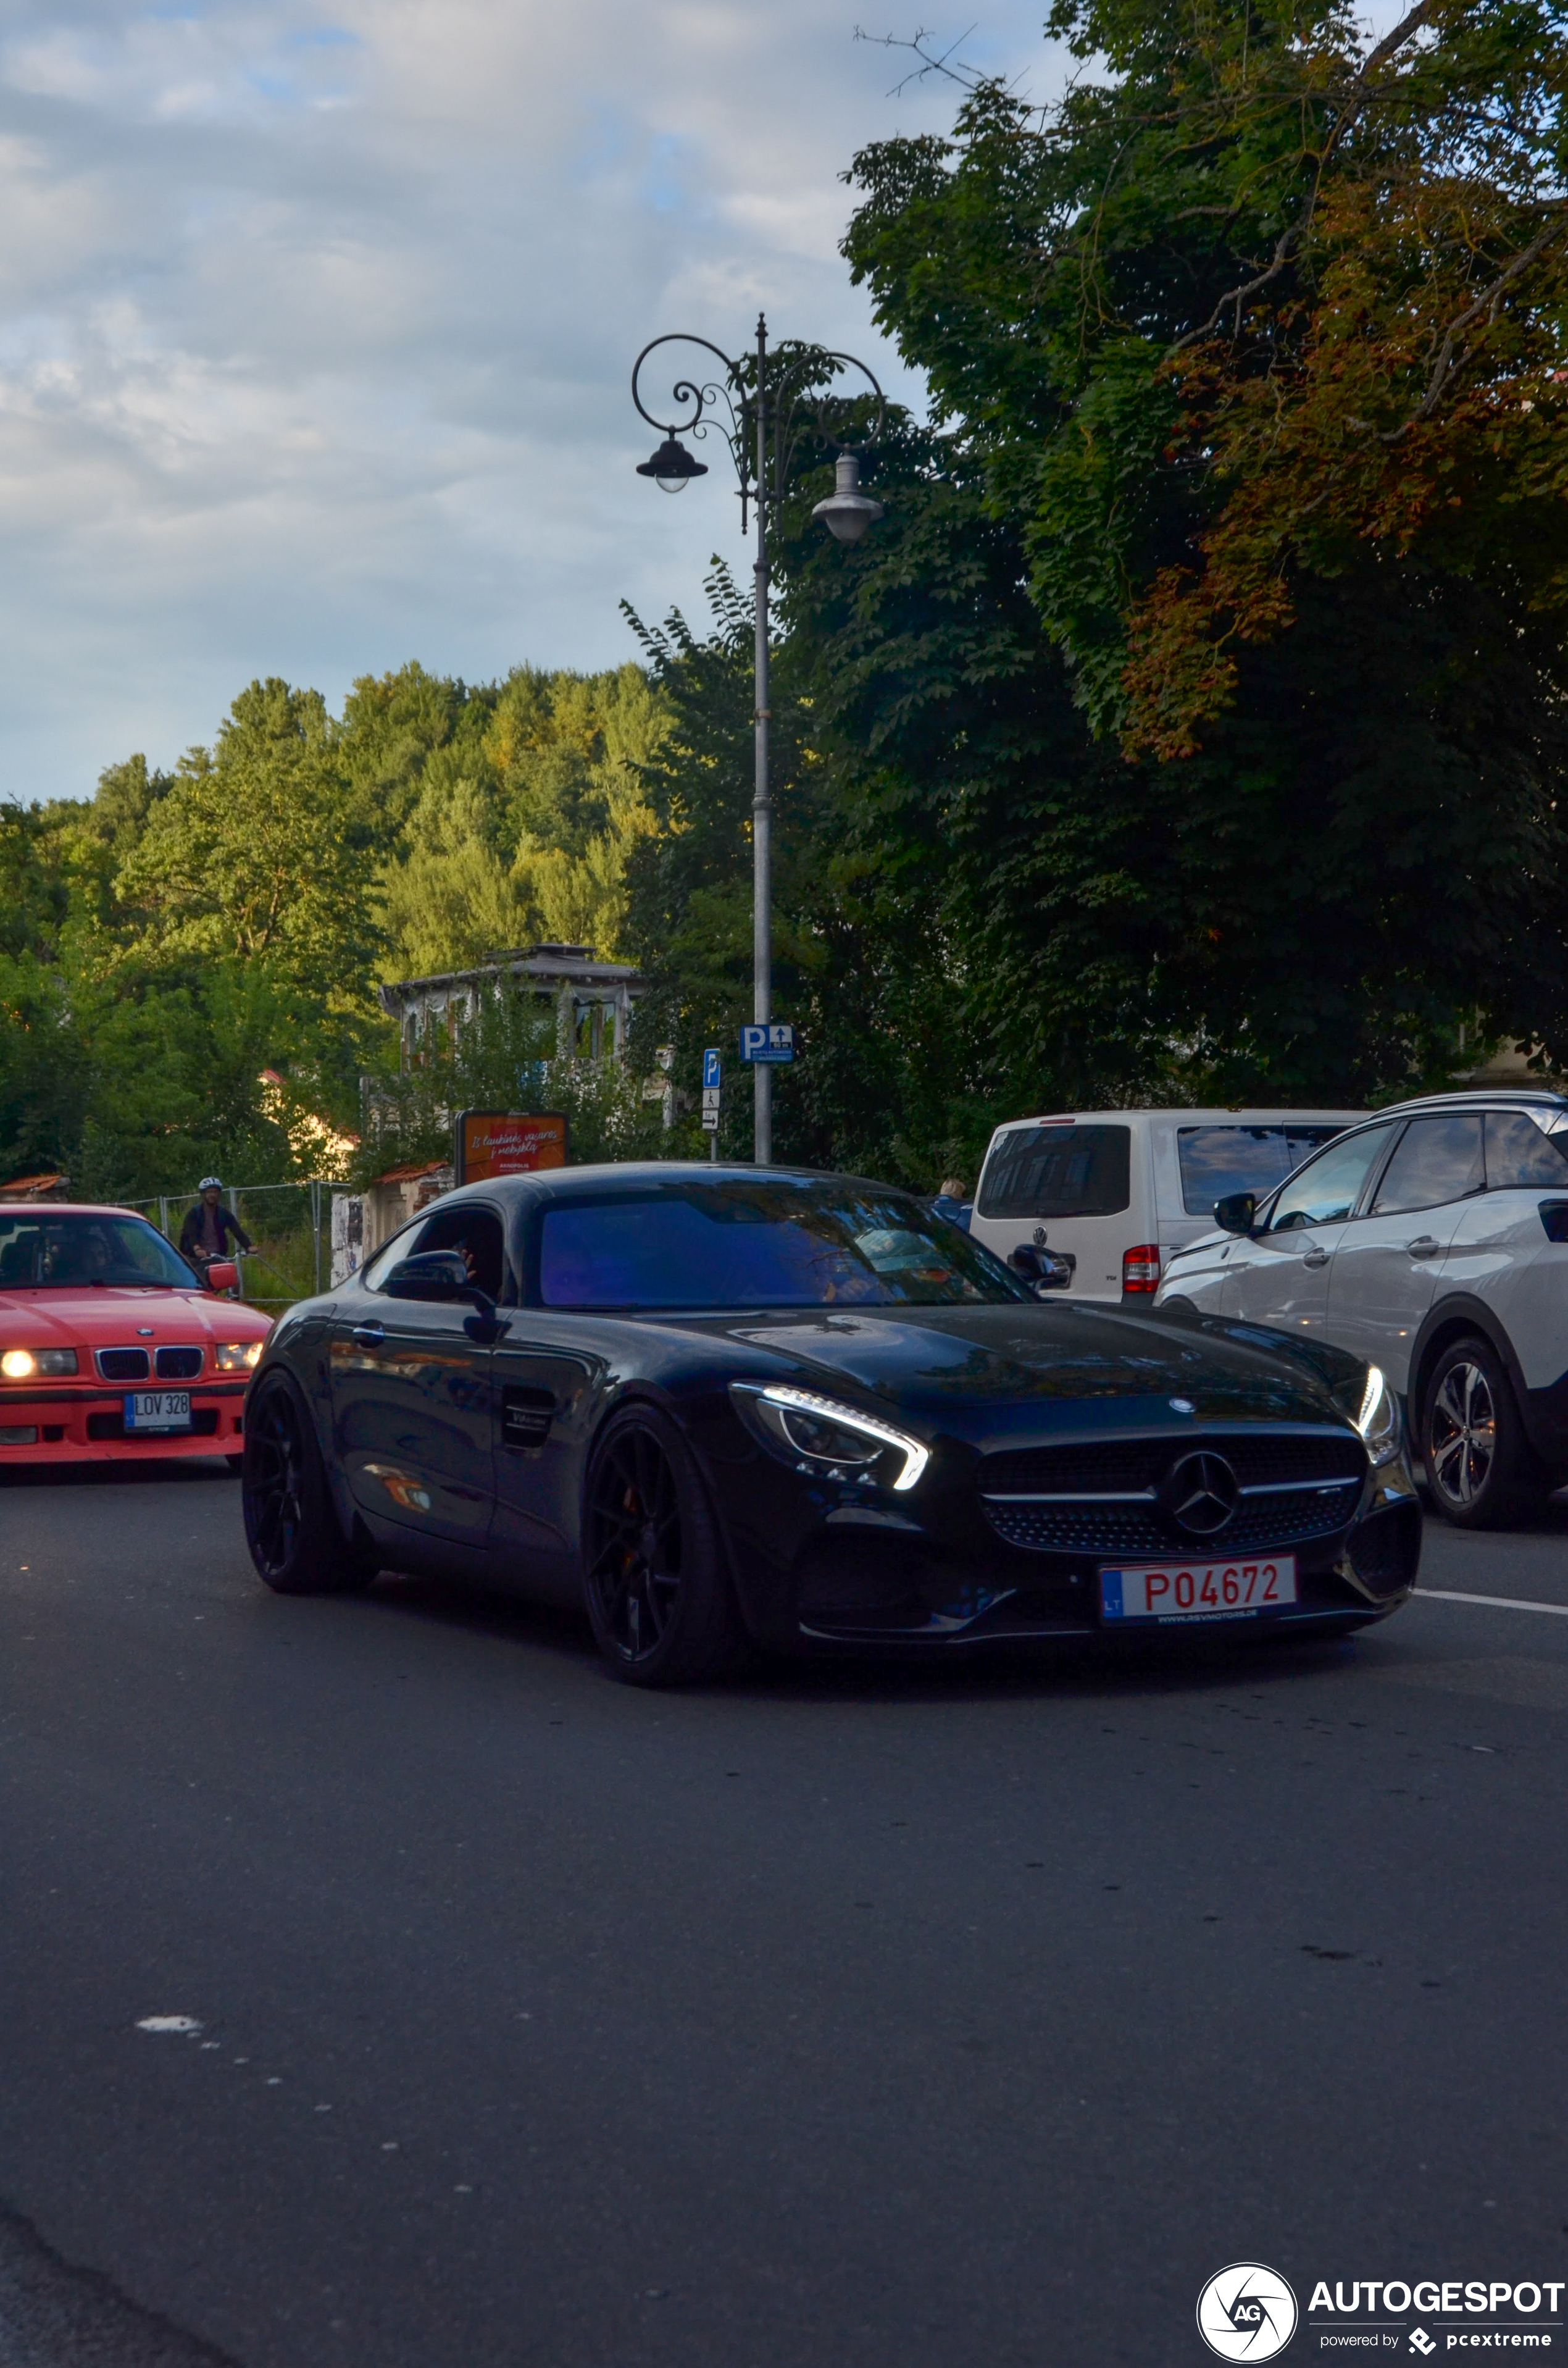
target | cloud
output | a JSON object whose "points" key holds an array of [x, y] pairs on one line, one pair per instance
{"points": [[316, 318]]}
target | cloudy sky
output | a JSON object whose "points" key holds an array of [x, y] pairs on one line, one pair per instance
{"points": [[316, 317]]}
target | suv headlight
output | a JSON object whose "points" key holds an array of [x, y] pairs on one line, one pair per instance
{"points": [[815, 1429], [21, 1365], [237, 1356], [1377, 1422]]}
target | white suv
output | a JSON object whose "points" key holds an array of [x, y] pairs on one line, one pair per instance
{"points": [[1432, 1240]]}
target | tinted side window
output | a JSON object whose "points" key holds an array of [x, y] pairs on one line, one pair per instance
{"points": [[1327, 1188], [1518, 1154], [1058, 1172], [1438, 1160], [1219, 1160], [476, 1232]]}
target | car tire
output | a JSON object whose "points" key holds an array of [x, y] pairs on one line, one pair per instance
{"points": [[655, 1578], [1480, 1470], [291, 1525]]}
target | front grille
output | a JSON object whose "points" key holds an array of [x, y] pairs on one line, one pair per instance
{"points": [[1308, 1487], [178, 1365], [124, 1364], [1130, 1530], [203, 1422]]}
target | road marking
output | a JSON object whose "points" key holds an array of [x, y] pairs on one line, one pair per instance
{"points": [[1503, 1602]]}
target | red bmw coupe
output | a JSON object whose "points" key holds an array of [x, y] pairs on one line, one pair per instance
{"points": [[111, 1348]]}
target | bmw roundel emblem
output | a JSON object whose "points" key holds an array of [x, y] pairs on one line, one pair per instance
{"points": [[1201, 1494]]}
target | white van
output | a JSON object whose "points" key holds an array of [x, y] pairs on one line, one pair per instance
{"points": [[1115, 1193]]}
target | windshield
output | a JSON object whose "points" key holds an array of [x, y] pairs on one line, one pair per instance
{"points": [[769, 1243], [41, 1252]]}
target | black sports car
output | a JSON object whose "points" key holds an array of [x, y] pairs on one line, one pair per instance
{"points": [[723, 1407]]}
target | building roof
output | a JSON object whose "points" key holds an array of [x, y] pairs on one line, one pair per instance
{"points": [[411, 1174], [549, 964]]}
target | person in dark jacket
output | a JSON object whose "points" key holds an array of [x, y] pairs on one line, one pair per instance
{"points": [[207, 1228]]}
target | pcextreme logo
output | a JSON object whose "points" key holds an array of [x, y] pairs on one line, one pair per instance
{"points": [[1246, 2312]]}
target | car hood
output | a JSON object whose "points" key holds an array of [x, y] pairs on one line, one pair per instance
{"points": [[102, 1316], [1056, 1368]]}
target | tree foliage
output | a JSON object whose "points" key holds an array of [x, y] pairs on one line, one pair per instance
{"points": [[1265, 300], [1310, 823], [164, 943]]}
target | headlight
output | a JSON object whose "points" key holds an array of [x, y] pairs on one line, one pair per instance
{"points": [[21, 1365], [1377, 1422], [237, 1356], [821, 1431]]}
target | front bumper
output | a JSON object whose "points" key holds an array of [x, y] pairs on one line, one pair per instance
{"points": [[64, 1425], [825, 1567]]}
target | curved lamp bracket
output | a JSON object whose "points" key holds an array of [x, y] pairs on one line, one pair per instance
{"points": [[693, 398], [794, 407]]}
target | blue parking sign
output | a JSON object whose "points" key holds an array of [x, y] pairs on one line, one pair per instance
{"points": [[773, 1040], [712, 1075]]}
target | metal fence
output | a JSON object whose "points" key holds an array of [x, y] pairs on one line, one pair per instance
{"points": [[296, 1253]]}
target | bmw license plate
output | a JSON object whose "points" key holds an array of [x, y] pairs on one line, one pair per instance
{"points": [[1197, 1590], [158, 1410]]}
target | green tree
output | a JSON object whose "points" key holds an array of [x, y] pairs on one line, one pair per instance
{"points": [[252, 854], [1340, 829]]}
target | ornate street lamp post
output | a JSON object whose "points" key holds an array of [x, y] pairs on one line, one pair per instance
{"points": [[774, 401]]}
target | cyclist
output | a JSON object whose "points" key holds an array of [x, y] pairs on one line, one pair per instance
{"points": [[205, 1233]]}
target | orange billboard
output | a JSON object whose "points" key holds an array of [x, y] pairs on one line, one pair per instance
{"points": [[507, 1143]]}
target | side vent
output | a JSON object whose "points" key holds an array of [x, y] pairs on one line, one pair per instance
{"points": [[526, 1415]]}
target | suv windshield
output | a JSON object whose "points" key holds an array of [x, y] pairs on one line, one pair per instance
{"points": [[1058, 1172], [773, 1244], [39, 1251]]}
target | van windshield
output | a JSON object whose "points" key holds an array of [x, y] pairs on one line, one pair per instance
{"points": [[1216, 1160], [1058, 1172]]}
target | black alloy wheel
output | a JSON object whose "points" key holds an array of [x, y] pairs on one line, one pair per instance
{"points": [[658, 1591], [291, 1527], [1479, 1465]]}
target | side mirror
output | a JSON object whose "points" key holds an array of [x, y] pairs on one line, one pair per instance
{"points": [[431, 1274], [442, 1276], [222, 1274], [1235, 1213]]}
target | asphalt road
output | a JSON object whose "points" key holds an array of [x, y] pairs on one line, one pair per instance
{"points": [[840, 2016]]}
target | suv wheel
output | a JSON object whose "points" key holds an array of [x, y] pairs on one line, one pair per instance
{"points": [[1479, 1465]]}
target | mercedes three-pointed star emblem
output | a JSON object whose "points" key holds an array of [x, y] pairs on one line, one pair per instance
{"points": [[1201, 1494]]}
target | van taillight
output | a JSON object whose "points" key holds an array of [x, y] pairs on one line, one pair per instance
{"points": [[1141, 1267]]}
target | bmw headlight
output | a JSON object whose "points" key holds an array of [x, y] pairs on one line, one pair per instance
{"points": [[237, 1356], [21, 1365], [814, 1429], [1377, 1422]]}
